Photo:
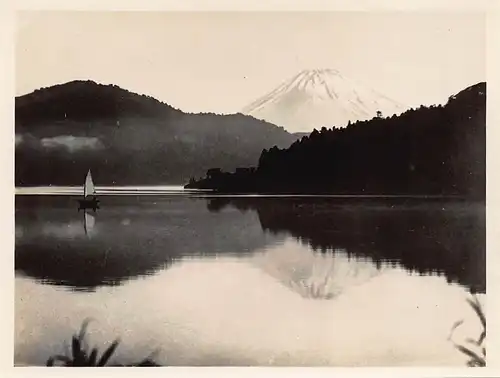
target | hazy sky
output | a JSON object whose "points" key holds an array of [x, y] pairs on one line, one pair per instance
{"points": [[220, 62]]}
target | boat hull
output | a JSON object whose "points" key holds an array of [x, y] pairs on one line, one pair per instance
{"points": [[88, 203]]}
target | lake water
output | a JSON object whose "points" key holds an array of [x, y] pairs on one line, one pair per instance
{"points": [[208, 281]]}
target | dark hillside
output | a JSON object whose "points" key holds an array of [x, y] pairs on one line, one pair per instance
{"points": [[437, 150], [128, 139]]}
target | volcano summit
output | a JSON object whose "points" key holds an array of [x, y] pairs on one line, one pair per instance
{"points": [[317, 98]]}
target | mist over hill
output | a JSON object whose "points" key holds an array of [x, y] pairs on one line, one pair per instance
{"points": [[127, 138]]}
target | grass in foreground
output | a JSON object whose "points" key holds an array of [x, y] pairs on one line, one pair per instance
{"points": [[80, 356], [472, 348]]}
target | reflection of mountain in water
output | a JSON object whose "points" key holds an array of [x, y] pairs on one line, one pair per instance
{"points": [[128, 237], [423, 236], [314, 274]]}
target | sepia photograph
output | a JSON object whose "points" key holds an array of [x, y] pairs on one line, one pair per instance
{"points": [[296, 189]]}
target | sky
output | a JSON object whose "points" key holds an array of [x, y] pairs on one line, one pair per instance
{"points": [[222, 61]]}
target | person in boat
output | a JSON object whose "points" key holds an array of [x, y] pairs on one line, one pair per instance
{"points": [[89, 202], [94, 201]]}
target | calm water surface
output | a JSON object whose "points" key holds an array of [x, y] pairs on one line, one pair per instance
{"points": [[207, 280]]}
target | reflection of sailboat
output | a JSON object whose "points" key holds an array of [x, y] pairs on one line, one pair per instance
{"points": [[89, 200], [315, 275], [88, 223]]}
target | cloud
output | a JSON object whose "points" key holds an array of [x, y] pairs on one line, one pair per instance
{"points": [[19, 139], [72, 143]]}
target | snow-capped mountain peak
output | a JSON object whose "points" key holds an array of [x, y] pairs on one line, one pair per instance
{"points": [[320, 97]]}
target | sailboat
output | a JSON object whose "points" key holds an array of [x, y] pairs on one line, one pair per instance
{"points": [[89, 200]]}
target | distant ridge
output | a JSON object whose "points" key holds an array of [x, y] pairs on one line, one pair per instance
{"points": [[429, 151], [321, 97], [127, 139]]}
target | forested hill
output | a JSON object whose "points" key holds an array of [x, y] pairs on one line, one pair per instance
{"points": [[437, 150], [128, 139]]}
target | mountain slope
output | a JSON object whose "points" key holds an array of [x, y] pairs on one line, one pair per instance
{"points": [[317, 98], [128, 139], [437, 150]]}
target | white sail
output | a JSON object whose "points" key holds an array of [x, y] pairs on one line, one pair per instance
{"points": [[88, 188]]}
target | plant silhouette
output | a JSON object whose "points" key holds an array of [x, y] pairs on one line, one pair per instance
{"points": [[81, 356]]}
